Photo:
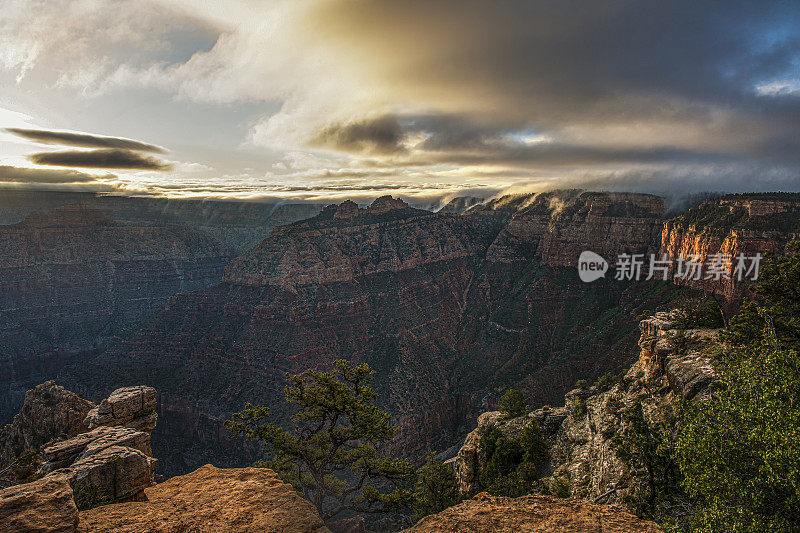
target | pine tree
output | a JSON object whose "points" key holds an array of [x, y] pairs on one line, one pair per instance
{"points": [[330, 455]]}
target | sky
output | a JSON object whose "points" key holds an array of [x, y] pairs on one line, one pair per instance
{"points": [[317, 99]]}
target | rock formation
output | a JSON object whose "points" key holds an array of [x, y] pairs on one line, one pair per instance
{"points": [[237, 500], [111, 464], [730, 226], [49, 412], [580, 433], [132, 407], [532, 514], [103, 452]]}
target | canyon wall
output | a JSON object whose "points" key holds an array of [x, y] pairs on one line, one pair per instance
{"points": [[581, 433], [732, 226], [238, 224], [448, 309], [72, 279]]}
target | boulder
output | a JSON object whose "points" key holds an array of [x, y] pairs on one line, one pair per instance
{"points": [[211, 499], [114, 474], [532, 514], [105, 465], [133, 407], [44, 506], [49, 412]]}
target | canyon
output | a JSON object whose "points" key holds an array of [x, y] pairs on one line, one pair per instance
{"points": [[72, 279], [450, 309]]}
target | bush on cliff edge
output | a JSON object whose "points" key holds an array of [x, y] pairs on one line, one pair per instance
{"points": [[739, 451]]}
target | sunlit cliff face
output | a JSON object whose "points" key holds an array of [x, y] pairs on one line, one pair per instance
{"points": [[337, 98]]}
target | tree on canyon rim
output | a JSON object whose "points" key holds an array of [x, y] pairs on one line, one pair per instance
{"points": [[739, 451], [329, 455]]}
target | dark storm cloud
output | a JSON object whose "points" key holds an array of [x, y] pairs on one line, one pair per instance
{"points": [[85, 140], [612, 82], [42, 175], [380, 135], [113, 158]]}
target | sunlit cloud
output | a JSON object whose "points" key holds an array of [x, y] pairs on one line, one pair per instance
{"points": [[341, 96]]}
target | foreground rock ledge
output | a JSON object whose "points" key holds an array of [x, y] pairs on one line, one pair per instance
{"points": [[210, 500], [44, 506], [532, 514]]}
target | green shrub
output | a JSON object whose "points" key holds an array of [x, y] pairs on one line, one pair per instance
{"points": [[512, 465], [605, 382], [739, 451], [579, 406], [582, 384], [512, 404], [436, 488], [560, 488]]}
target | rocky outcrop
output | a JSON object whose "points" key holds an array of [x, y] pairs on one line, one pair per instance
{"points": [[72, 279], [112, 461], [210, 499], [132, 407], [43, 506], [580, 434], [49, 412], [533, 514]]}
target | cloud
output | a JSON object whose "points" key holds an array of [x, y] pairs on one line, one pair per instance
{"points": [[370, 136], [111, 158], [38, 175], [84, 140], [452, 91]]}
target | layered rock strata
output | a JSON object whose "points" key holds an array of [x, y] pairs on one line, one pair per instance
{"points": [[580, 433], [446, 308], [72, 279]]}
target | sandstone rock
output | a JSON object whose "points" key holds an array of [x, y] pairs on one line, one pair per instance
{"points": [[761, 228], [44, 506], [112, 462], [532, 514], [133, 407], [210, 500], [49, 412], [689, 376], [112, 474], [64, 453]]}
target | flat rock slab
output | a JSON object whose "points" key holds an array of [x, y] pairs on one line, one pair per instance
{"points": [[234, 500], [532, 514], [43, 506]]}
